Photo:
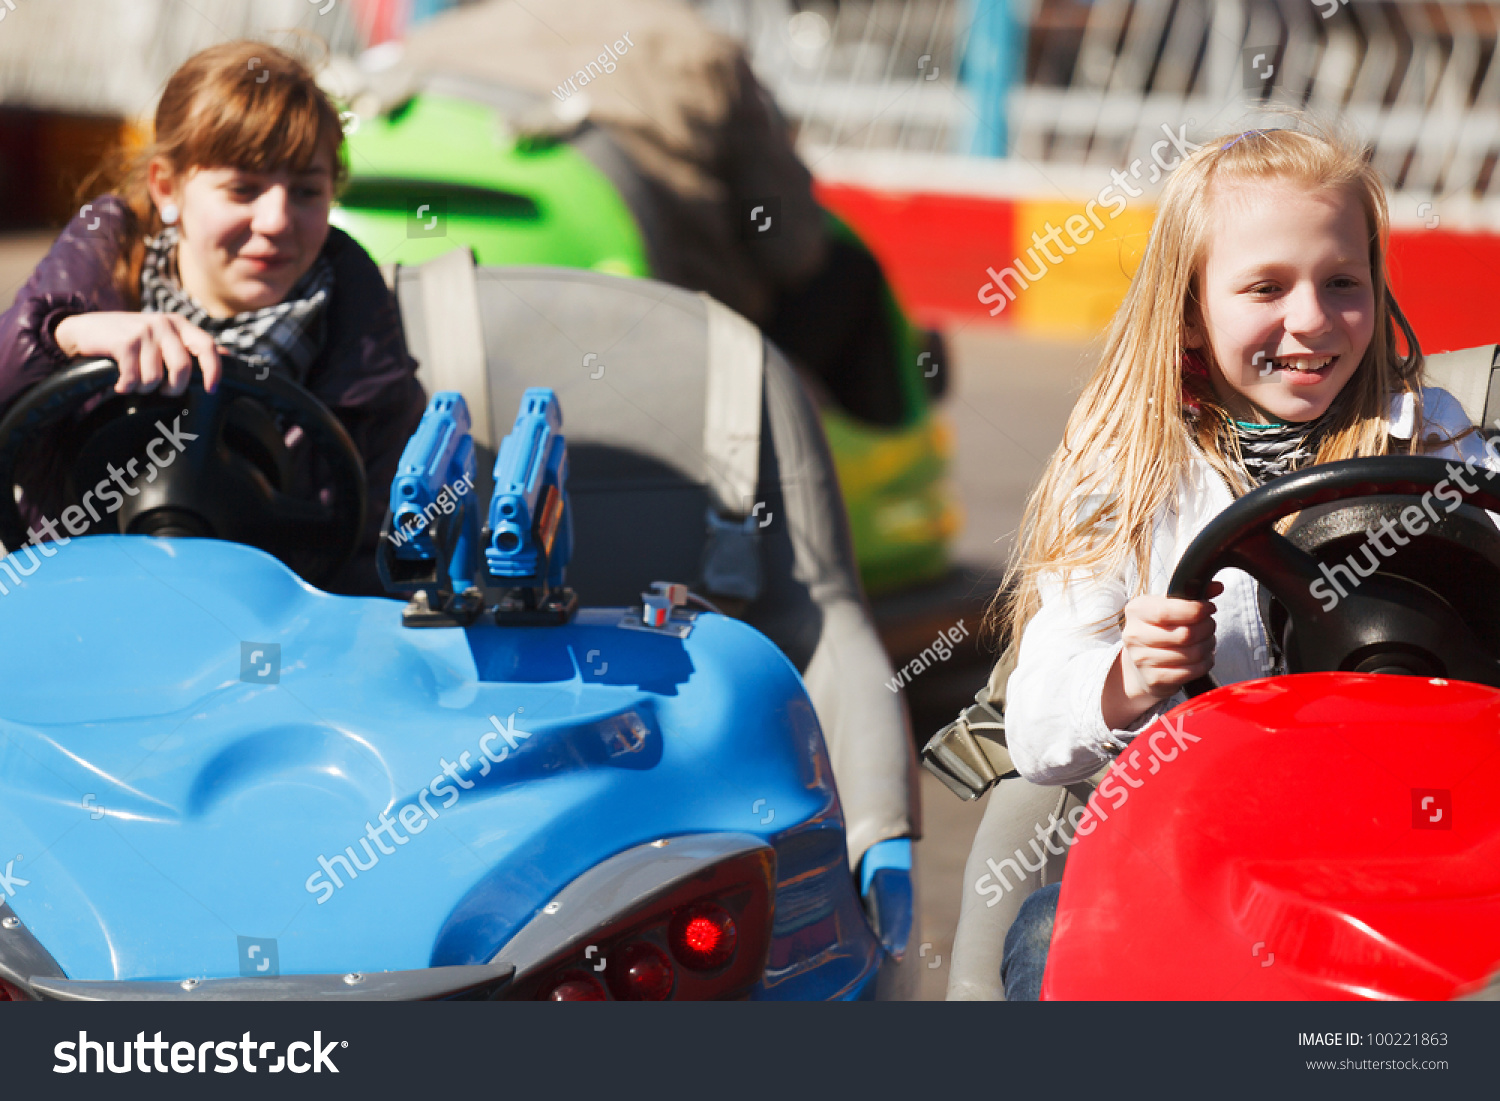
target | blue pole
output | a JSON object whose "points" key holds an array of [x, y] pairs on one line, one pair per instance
{"points": [[423, 10], [991, 64]]}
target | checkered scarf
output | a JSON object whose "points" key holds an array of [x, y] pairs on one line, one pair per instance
{"points": [[286, 337]]}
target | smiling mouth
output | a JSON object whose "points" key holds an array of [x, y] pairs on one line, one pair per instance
{"points": [[1302, 365]]}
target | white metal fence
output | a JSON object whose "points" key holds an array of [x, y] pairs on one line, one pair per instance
{"points": [[863, 74], [112, 57], [1420, 80]]}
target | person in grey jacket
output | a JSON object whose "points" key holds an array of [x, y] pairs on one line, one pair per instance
{"points": [[681, 102], [217, 237], [706, 165]]}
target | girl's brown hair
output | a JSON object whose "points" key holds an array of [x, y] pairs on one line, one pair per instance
{"points": [[1128, 441], [245, 105]]}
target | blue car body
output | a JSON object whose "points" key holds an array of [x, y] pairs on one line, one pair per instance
{"points": [[191, 737]]}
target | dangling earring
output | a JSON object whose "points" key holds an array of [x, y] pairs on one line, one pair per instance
{"points": [[169, 213], [1194, 375], [1192, 363]]}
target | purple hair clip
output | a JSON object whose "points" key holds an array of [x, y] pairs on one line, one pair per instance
{"points": [[1245, 135]]}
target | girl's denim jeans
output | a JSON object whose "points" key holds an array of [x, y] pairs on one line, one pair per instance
{"points": [[1026, 944]]}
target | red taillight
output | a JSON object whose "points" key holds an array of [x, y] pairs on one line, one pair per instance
{"points": [[576, 987], [703, 937], [694, 937], [641, 972], [9, 993]]}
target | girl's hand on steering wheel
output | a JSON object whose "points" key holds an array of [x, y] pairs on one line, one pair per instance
{"points": [[1168, 643], [146, 346]]}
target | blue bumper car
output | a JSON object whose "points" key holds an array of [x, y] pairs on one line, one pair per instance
{"points": [[622, 736]]}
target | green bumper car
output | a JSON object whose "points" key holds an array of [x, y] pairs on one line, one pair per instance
{"points": [[445, 169]]}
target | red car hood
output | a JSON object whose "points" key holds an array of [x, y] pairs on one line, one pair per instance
{"points": [[1329, 835]]}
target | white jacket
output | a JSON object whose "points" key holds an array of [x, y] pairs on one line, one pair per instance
{"points": [[1054, 725]]}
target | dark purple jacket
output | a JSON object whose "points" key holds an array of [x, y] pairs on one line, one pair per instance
{"points": [[364, 375]]}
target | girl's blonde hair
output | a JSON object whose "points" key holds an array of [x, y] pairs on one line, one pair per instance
{"points": [[1121, 458], [245, 105]]}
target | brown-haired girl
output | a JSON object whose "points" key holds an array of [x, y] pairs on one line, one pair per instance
{"points": [[1258, 336], [217, 237]]}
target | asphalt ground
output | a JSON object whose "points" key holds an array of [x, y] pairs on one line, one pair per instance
{"points": [[1007, 402]]}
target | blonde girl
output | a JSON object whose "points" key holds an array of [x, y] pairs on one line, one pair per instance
{"points": [[1258, 336]]}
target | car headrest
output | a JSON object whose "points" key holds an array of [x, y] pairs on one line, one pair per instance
{"points": [[1471, 376]]}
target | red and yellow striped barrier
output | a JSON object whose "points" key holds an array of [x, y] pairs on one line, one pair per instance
{"points": [[939, 250]]}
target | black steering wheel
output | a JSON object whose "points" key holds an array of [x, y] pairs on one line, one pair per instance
{"points": [[1386, 623], [235, 479]]}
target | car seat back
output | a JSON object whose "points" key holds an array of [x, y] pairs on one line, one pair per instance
{"points": [[1004, 868], [630, 362], [1471, 375]]}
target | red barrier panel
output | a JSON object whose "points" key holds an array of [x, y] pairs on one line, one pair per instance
{"points": [[936, 247], [1446, 284]]}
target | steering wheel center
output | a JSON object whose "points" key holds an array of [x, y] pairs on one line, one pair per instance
{"points": [[1384, 623], [205, 465]]}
